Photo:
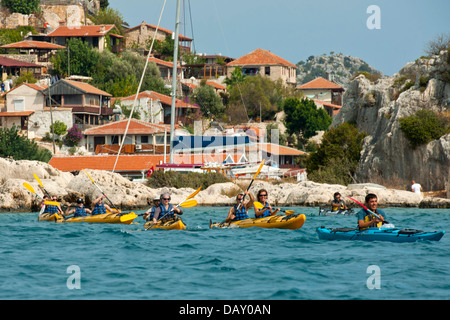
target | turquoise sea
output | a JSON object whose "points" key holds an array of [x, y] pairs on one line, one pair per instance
{"points": [[45, 260]]}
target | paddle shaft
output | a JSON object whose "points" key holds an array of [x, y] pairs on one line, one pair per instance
{"points": [[100, 189], [367, 209], [251, 182]]}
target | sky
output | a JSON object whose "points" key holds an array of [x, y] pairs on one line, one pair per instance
{"points": [[296, 29]]}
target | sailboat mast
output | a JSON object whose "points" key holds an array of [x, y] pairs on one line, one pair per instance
{"points": [[174, 81]]}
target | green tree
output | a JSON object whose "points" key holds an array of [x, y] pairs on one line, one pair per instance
{"points": [[304, 119], [259, 96], [22, 6], [337, 157], [59, 128], [83, 59], [210, 103], [236, 77], [13, 145], [109, 16]]}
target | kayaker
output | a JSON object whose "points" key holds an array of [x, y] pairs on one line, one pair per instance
{"points": [[239, 211], [337, 203], [266, 211], [79, 211], [148, 215], [49, 208], [99, 207], [367, 219], [165, 208]]}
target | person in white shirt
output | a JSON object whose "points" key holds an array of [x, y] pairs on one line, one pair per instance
{"points": [[416, 188]]}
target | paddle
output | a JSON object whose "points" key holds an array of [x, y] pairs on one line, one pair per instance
{"points": [[367, 209], [184, 204], [40, 183], [251, 182], [101, 191], [259, 205], [31, 189]]}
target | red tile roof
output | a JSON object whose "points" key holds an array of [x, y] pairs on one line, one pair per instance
{"points": [[260, 57], [82, 31], [87, 88], [8, 62], [28, 44], [16, 114], [334, 106], [136, 127], [320, 83]]}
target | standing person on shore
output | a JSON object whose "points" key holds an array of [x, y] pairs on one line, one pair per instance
{"points": [[416, 188], [367, 219], [266, 211], [239, 211]]}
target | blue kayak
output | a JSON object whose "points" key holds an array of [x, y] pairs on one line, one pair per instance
{"points": [[378, 234]]}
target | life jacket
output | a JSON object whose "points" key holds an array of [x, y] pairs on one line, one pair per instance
{"points": [[370, 217], [80, 212], [266, 213], [341, 207], [152, 213], [51, 209], [166, 212], [240, 214], [99, 209]]}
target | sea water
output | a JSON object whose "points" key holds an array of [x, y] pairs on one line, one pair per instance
{"points": [[46, 260]]}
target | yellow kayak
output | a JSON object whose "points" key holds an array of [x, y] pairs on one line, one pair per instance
{"points": [[292, 221], [123, 218], [169, 224], [49, 217]]}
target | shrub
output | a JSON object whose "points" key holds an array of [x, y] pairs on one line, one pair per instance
{"points": [[423, 127], [73, 136], [22, 6], [161, 179]]}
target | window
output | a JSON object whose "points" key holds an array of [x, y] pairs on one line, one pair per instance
{"points": [[19, 104], [267, 71], [114, 139], [144, 139]]}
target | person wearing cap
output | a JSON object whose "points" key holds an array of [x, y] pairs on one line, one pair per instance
{"points": [[99, 207], [239, 211], [149, 214], [165, 209], [79, 211]]}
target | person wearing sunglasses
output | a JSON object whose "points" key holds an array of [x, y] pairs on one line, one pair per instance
{"points": [[165, 209], [267, 210], [239, 211]]}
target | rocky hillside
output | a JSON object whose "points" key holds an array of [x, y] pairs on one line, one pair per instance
{"points": [[387, 157], [339, 66]]}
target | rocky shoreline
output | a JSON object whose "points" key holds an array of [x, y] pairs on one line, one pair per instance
{"points": [[127, 195]]}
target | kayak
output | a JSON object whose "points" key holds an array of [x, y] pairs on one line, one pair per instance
{"points": [[292, 221], [378, 234], [329, 212], [166, 224], [123, 218], [49, 217]]}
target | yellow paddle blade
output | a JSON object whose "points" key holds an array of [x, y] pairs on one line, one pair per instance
{"points": [[188, 203], [259, 169], [29, 188], [289, 212], [38, 180], [52, 203], [128, 217], [194, 194], [258, 205]]}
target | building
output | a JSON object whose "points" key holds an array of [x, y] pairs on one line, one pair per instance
{"points": [[141, 35], [38, 52], [142, 137], [213, 67], [325, 93], [90, 106], [156, 107], [13, 67], [265, 63], [99, 37]]}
